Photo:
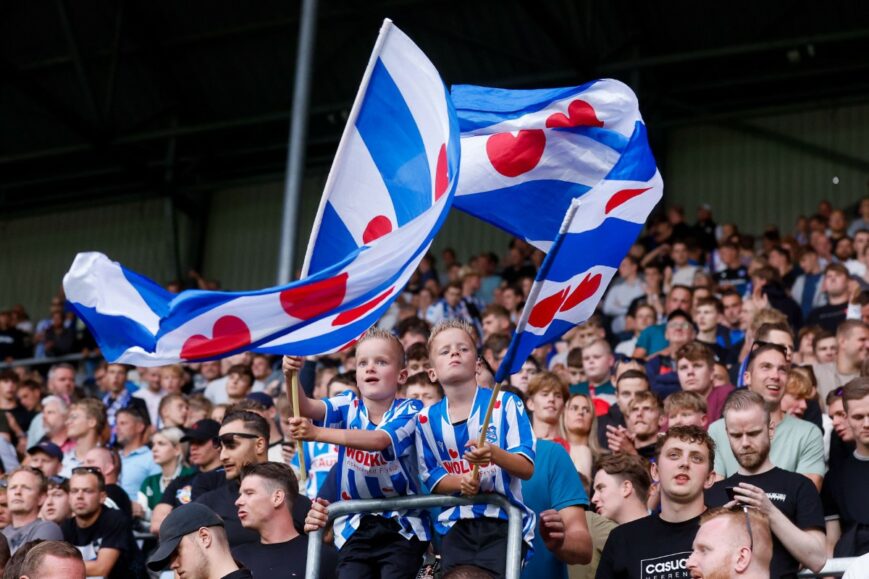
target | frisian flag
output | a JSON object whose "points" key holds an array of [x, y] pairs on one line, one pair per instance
{"points": [[527, 154], [389, 190], [570, 171], [597, 232]]}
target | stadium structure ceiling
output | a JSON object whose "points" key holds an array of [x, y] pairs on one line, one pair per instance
{"points": [[115, 99]]}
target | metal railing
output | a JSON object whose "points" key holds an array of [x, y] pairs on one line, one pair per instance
{"points": [[833, 568], [49, 361], [342, 508]]}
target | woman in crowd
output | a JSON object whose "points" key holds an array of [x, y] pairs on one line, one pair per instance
{"points": [[580, 429], [169, 452]]}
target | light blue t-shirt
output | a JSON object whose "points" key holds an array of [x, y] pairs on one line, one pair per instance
{"points": [[653, 339], [135, 468], [554, 485]]}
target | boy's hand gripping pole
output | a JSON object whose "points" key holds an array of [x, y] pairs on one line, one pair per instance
{"points": [[300, 444], [486, 420]]}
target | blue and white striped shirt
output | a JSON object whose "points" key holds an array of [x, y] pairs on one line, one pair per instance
{"points": [[320, 457], [375, 475], [441, 445]]}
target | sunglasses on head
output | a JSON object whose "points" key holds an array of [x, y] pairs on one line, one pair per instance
{"points": [[87, 470], [230, 439], [747, 524]]}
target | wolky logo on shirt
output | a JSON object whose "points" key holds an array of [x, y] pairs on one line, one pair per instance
{"points": [[672, 566], [371, 463]]}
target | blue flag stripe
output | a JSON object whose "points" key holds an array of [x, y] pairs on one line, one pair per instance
{"points": [[605, 245], [333, 244], [637, 162], [516, 203], [396, 145], [480, 106]]}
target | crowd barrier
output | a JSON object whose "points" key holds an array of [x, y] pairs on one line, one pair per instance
{"points": [[833, 568], [341, 508], [48, 361]]}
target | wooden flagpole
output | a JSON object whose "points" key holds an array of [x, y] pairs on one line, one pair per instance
{"points": [[300, 444]]}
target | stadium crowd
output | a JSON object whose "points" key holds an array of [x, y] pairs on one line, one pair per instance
{"points": [[710, 420]]}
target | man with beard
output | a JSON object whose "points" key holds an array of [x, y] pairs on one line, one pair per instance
{"points": [[658, 546], [797, 445], [788, 499], [731, 544]]}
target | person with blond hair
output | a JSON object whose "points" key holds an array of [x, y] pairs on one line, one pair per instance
{"points": [[168, 452], [580, 431], [547, 394]]}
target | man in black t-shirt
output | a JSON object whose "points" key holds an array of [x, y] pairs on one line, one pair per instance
{"points": [[109, 463], [102, 535], [787, 498], [658, 546], [193, 544], [846, 502], [265, 500]]}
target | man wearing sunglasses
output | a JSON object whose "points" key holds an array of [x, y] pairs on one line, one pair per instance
{"points": [[242, 440], [732, 544], [788, 499], [797, 445]]}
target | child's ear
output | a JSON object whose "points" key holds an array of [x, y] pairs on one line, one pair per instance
{"points": [[402, 376], [433, 376]]}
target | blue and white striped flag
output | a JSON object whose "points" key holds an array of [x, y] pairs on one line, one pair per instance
{"points": [[389, 190]]}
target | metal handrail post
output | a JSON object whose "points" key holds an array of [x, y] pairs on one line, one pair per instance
{"points": [[341, 508]]}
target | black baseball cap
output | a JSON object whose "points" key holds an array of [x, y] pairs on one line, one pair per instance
{"points": [[201, 431], [262, 398], [48, 448], [182, 521]]}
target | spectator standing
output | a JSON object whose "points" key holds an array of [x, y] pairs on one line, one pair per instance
{"points": [[846, 503], [789, 500], [852, 347], [137, 461], [835, 286], [102, 535], [26, 490], [84, 426], [683, 465], [797, 445], [265, 505], [194, 543]]}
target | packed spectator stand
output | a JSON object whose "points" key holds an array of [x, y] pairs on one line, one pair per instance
{"points": [[703, 324]]}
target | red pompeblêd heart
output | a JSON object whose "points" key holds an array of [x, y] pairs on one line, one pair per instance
{"points": [[579, 114], [227, 334], [379, 226], [497, 404], [512, 155], [622, 197], [345, 495], [544, 311], [354, 314], [423, 418], [586, 289], [311, 300], [454, 453], [442, 179]]}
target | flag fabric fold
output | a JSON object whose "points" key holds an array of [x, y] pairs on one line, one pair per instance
{"points": [[595, 235], [527, 154], [390, 188]]}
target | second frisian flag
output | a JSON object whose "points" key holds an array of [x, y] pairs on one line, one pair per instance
{"points": [[570, 171], [390, 188]]}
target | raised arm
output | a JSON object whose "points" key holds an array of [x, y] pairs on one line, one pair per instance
{"points": [[313, 409], [370, 440]]}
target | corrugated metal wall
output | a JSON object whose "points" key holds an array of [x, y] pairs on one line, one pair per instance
{"points": [[754, 181], [36, 251]]}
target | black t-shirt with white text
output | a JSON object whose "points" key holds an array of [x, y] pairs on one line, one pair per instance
{"points": [[648, 548], [791, 493], [111, 530], [845, 496], [288, 559]]}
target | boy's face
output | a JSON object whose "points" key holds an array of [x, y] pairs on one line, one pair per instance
{"points": [[706, 317], [378, 369], [826, 350], [694, 375], [453, 357], [428, 395], [720, 375], [626, 390], [417, 366], [597, 363], [584, 336], [686, 417], [683, 470], [644, 419], [237, 385], [576, 373], [546, 406]]}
